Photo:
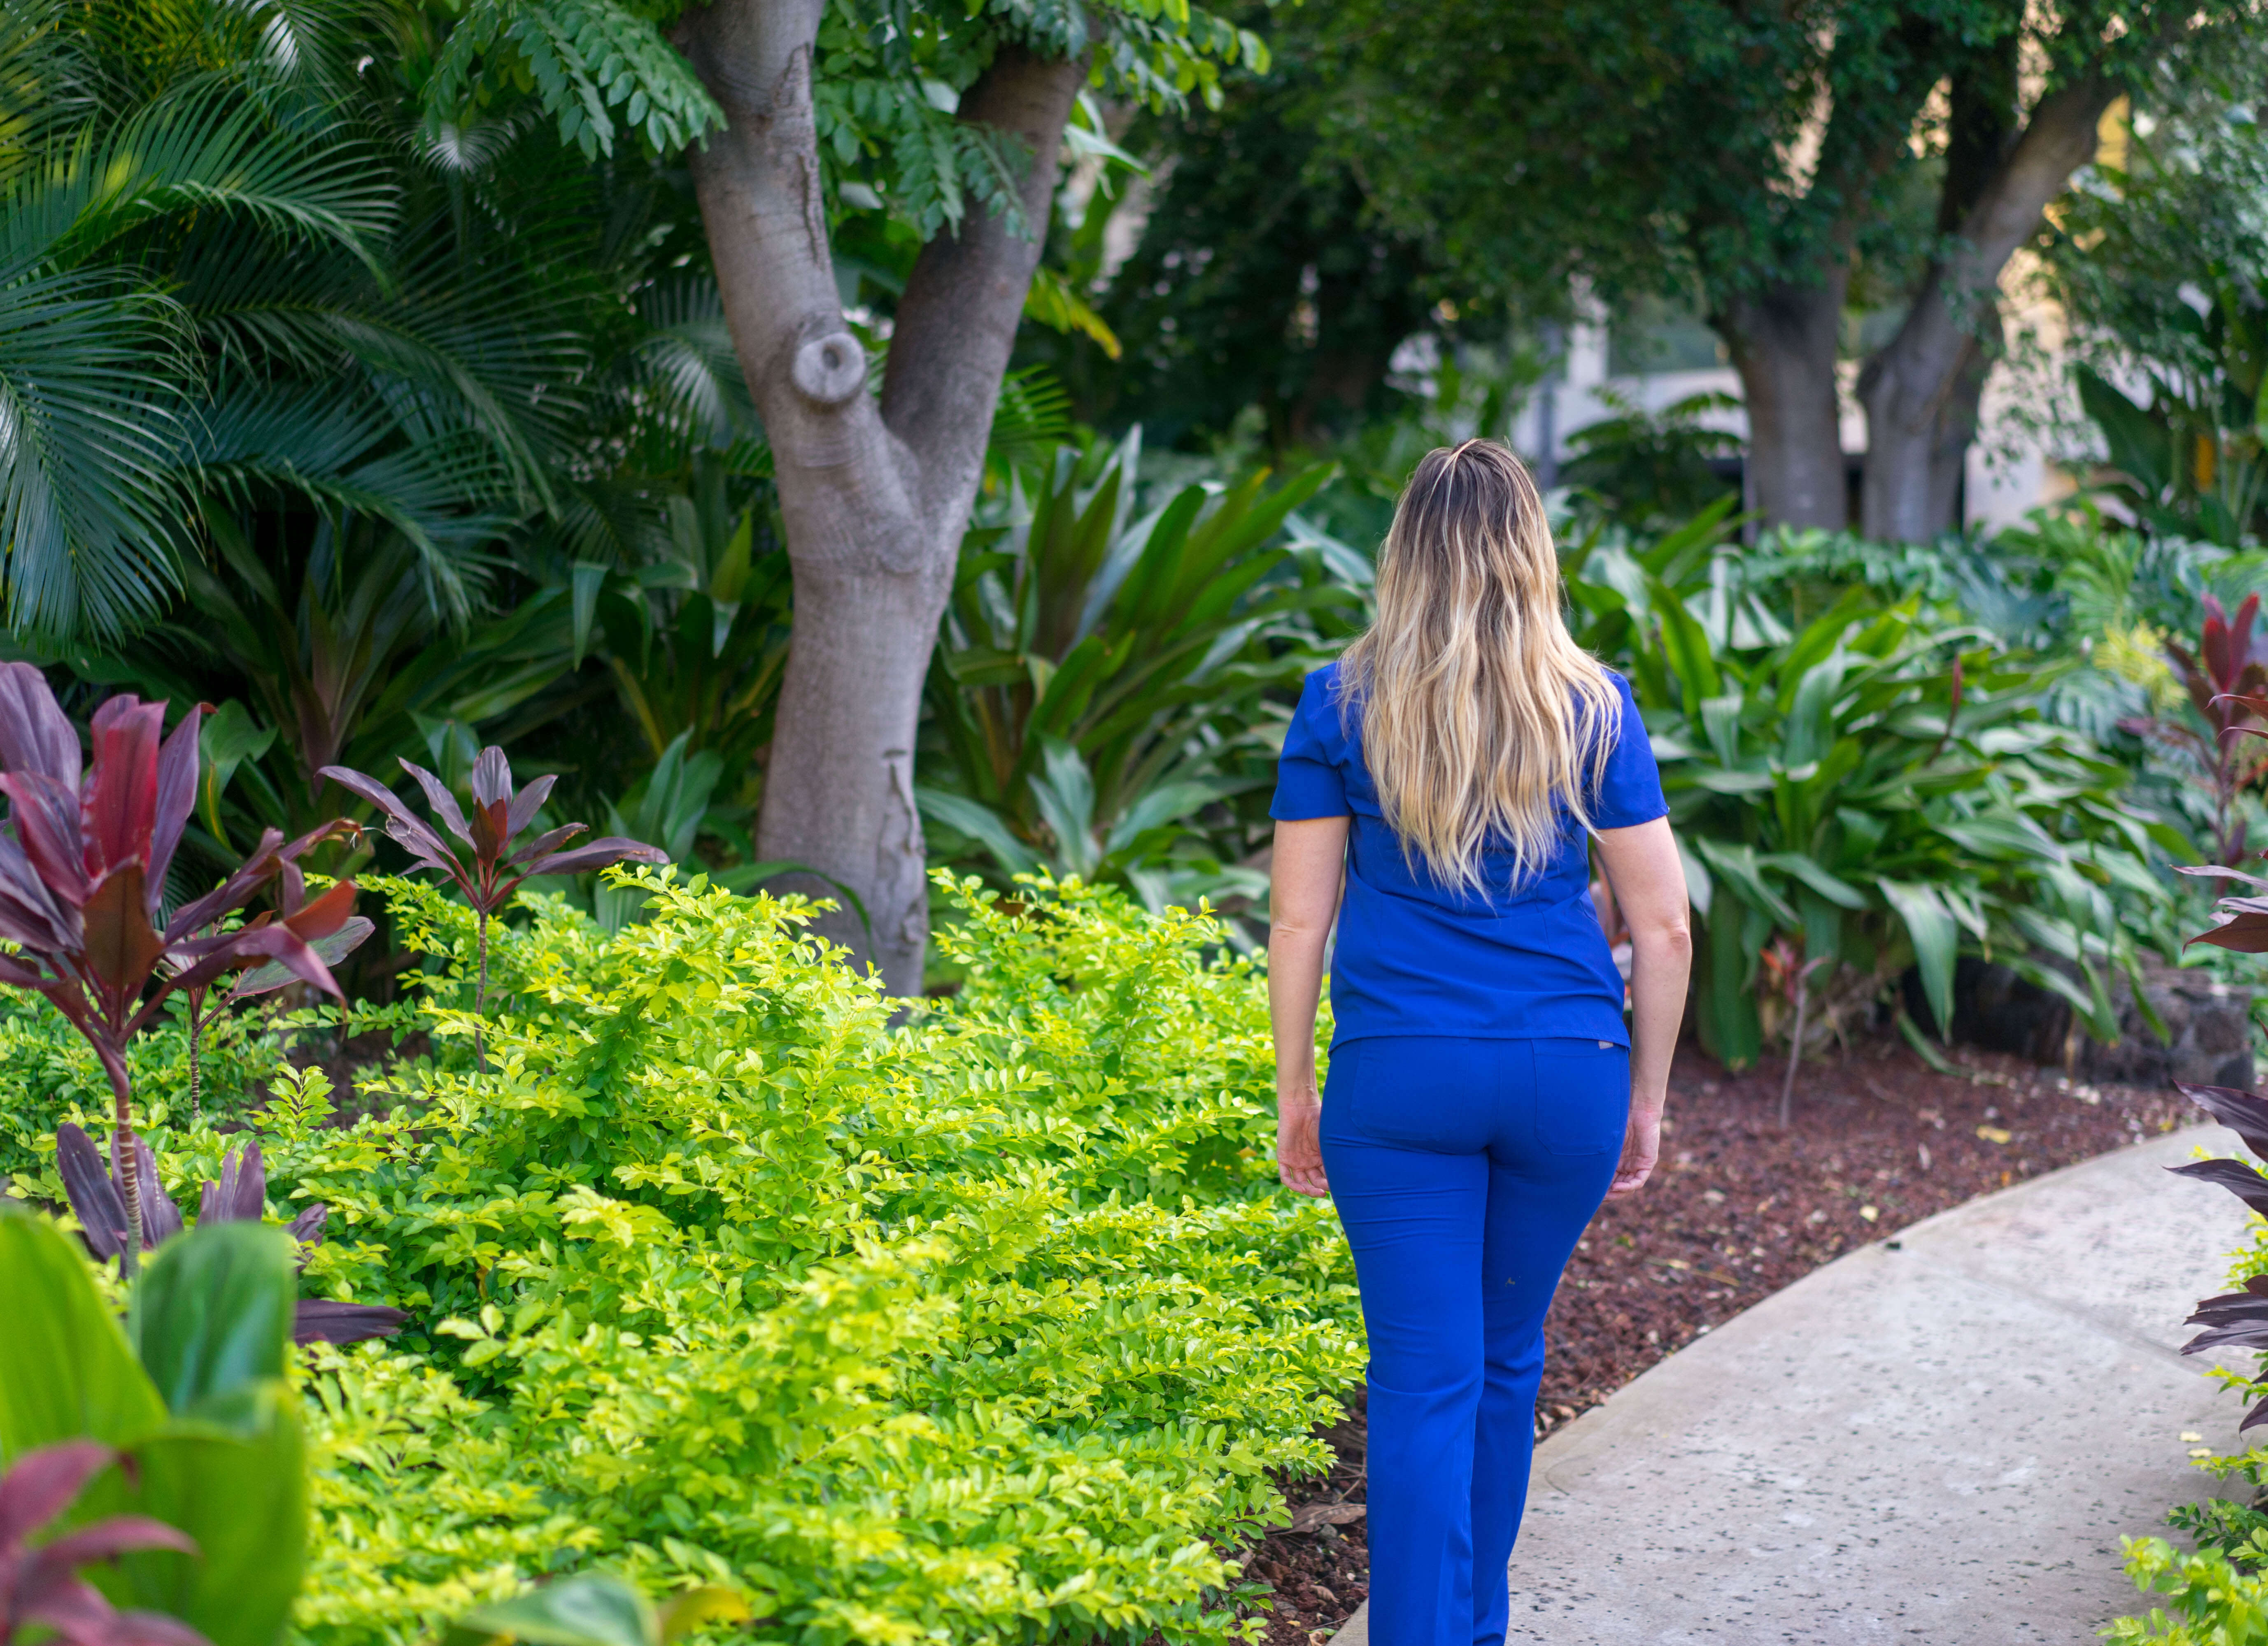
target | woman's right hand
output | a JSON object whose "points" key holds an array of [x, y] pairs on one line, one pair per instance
{"points": [[1299, 1146], [1641, 1148]]}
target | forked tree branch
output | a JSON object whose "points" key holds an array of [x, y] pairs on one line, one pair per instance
{"points": [[957, 323]]}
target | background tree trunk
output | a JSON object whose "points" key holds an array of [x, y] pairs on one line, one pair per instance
{"points": [[1921, 393], [875, 494], [1782, 341]]}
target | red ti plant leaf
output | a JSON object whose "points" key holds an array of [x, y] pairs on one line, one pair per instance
{"points": [[239, 1195], [2243, 1113], [39, 1584], [2227, 678], [2233, 1175], [82, 864], [500, 816]]}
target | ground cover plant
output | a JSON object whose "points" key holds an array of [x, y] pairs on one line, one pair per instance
{"points": [[996, 1324]]}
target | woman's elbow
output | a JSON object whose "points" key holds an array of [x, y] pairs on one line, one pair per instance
{"points": [[1669, 932]]}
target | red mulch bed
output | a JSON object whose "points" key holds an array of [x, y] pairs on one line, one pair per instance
{"points": [[1738, 1210]]}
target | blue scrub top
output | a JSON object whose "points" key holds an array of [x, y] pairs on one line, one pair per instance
{"points": [[1414, 956]]}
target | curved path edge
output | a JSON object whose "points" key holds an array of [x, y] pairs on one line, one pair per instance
{"points": [[1939, 1438]]}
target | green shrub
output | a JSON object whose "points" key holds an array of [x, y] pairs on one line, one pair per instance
{"points": [[2209, 1602], [990, 1326]]}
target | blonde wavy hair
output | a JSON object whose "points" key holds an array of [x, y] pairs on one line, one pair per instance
{"points": [[1479, 711]]}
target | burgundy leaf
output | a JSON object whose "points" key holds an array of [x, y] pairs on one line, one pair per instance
{"points": [[2233, 1175], [118, 805], [598, 855], [2244, 1334], [438, 797], [2243, 1113], [2243, 926], [120, 948], [2250, 1303], [28, 915], [2258, 1414], [2214, 871], [232, 893], [176, 797], [402, 826], [215, 956], [550, 839], [81, 1617], [34, 735], [307, 1227], [326, 914], [22, 974], [491, 779], [322, 1320], [241, 1195], [330, 950], [161, 1219], [42, 1484], [488, 836], [526, 804], [293, 892], [107, 1539], [46, 819], [94, 1200]]}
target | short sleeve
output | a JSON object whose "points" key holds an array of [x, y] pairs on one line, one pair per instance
{"points": [[1308, 782], [1630, 789]]}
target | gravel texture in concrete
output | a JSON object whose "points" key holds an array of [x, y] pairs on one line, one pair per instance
{"points": [[1942, 1440]]}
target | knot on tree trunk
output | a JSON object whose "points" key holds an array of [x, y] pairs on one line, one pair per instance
{"points": [[830, 370]]}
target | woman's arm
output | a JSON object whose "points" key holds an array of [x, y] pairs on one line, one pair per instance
{"points": [[1303, 900], [1648, 883]]}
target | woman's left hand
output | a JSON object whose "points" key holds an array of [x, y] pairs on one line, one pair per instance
{"points": [[1298, 1147], [1641, 1148]]}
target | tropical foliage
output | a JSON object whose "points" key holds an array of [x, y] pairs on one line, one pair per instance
{"points": [[996, 1322], [1105, 679], [198, 1432], [1867, 790]]}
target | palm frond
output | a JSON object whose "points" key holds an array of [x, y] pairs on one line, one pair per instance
{"points": [[200, 149], [90, 432], [686, 362]]}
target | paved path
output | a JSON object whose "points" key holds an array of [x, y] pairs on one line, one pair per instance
{"points": [[1941, 1442]]}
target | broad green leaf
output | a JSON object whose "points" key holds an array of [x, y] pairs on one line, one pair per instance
{"points": [[1936, 940], [1725, 1005], [1161, 804], [981, 824], [588, 1609], [1685, 646], [232, 1473], [2005, 834], [1818, 879], [1064, 793], [1738, 868], [212, 1311], [66, 1369], [1698, 888], [227, 739], [1721, 723]]}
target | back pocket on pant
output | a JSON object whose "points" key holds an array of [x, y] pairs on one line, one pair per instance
{"points": [[1582, 1096]]}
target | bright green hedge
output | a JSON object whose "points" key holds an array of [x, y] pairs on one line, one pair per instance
{"points": [[988, 1327]]}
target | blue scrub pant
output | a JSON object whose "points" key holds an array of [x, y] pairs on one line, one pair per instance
{"points": [[1463, 1172]]}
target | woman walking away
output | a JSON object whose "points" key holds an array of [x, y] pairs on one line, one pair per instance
{"points": [[1484, 1094]]}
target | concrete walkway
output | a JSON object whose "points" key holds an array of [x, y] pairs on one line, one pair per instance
{"points": [[1938, 1442]]}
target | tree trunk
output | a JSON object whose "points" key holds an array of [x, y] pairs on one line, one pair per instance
{"points": [[875, 494], [1782, 341], [1921, 392]]}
